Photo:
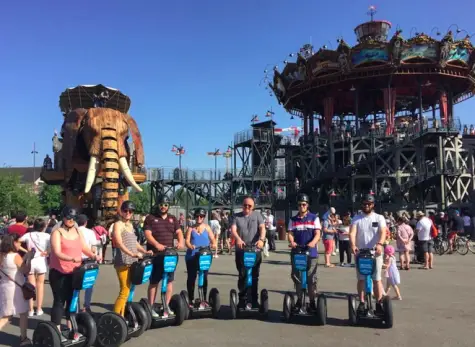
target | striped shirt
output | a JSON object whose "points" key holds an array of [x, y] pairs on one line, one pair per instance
{"points": [[129, 240], [304, 229]]}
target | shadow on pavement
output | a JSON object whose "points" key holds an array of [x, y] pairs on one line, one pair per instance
{"points": [[276, 262], [222, 274]]}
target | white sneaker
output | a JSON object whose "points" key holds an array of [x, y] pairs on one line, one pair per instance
{"points": [[155, 314], [31, 313], [39, 313], [334, 253]]}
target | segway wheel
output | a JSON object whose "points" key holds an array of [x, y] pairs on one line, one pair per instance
{"points": [[142, 318], [87, 327], [288, 307], [233, 303], [148, 308], [184, 295], [321, 310], [352, 318], [46, 334], [388, 312], [111, 330], [264, 307], [215, 302], [177, 305]]}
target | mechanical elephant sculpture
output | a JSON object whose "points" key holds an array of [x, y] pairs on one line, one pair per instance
{"points": [[95, 157]]}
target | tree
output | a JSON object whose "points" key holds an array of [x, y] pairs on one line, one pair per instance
{"points": [[15, 196], [142, 200], [50, 198]]}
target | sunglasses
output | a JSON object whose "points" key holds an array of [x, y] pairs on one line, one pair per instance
{"points": [[367, 203], [163, 205], [200, 216], [128, 211], [70, 217], [247, 206], [302, 204]]}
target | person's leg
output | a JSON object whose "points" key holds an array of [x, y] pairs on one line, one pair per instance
{"points": [[104, 249], [32, 280], [342, 253], [4, 321], [272, 239], [431, 254], [68, 296], [408, 259], [241, 276], [40, 292], [23, 326], [348, 252], [56, 281], [155, 278], [124, 289], [377, 283], [312, 280], [169, 294], [255, 280], [191, 270], [88, 298]]}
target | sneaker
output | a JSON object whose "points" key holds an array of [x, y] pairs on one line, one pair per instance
{"points": [[25, 342], [342, 264], [155, 314], [64, 339], [76, 336], [248, 306], [334, 253], [31, 313], [215, 256], [39, 312]]}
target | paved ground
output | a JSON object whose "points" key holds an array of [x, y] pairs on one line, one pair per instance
{"points": [[438, 309]]}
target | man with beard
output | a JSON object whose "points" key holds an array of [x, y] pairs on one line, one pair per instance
{"points": [[160, 229], [368, 230]]}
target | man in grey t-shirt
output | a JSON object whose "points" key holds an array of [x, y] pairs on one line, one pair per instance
{"points": [[248, 229]]}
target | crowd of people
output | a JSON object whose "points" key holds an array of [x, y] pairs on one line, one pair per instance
{"points": [[31, 250]]}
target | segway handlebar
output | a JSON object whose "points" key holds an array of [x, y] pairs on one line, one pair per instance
{"points": [[251, 248], [366, 251]]}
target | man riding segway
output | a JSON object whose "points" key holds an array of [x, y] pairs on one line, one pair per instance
{"points": [[304, 230], [369, 231]]}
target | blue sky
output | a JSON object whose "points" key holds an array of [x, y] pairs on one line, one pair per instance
{"points": [[191, 68]]}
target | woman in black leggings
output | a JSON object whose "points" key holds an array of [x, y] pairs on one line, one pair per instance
{"points": [[344, 240]]}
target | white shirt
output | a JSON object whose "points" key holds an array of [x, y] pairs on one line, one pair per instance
{"points": [[423, 228], [269, 221], [368, 227], [38, 240], [215, 226], [89, 237]]}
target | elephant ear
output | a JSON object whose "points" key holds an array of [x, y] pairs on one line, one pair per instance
{"points": [[137, 138], [70, 131]]}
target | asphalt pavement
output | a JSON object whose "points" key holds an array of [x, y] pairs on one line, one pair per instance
{"points": [[438, 309]]}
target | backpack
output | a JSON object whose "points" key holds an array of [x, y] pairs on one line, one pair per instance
{"points": [[434, 232]]}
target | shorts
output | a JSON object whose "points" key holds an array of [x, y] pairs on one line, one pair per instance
{"points": [[329, 244], [38, 266], [452, 234], [157, 271], [427, 246], [311, 274], [378, 269]]}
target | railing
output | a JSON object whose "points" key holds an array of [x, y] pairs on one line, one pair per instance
{"points": [[175, 174], [256, 134]]}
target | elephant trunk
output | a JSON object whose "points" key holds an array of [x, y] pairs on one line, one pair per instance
{"points": [[110, 172]]}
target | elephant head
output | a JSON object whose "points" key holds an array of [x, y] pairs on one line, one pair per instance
{"points": [[95, 143]]}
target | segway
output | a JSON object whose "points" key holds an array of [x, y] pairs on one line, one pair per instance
{"points": [[113, 329], [366, 263], [301, 261], [176, 312], [249, 255], [200, 306], [83, 327]]}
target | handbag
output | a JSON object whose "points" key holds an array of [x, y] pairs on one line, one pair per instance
{"points": [[28, 290]]}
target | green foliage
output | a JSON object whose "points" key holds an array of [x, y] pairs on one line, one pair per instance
{"points": [[15, 196], [50, 198], [142, 200]]}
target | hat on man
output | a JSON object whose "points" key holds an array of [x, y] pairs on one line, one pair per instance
{"points": [[420, 214], [82, 219]]}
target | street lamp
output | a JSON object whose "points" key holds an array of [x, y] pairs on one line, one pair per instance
{"points": [[254, 119], [215, 154], [179, 151]]}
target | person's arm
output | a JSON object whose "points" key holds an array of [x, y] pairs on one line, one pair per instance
{"points": [[117, 237], [85, 248], [179, 235], [383, 231], [56, 247], [316, 236], [290, 235], [188, 239], [262, 232], [22, 265], [353, 230], [212, 239], [143, 250]]}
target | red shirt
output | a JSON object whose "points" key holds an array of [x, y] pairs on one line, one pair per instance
{"points": [[19, 229], [163, 229]]}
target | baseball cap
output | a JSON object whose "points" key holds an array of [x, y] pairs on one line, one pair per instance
{"points": [[82, 218]]}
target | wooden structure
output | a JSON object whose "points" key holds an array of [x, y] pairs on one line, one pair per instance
{"points": [[93, 160], [385, 114]]}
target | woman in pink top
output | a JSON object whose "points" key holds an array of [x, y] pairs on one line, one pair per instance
{"points": [[404, 239], [66, 256]]}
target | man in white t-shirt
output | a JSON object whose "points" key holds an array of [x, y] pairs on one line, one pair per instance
{"points": [[423, 229], [91, 241], [368, 230]]}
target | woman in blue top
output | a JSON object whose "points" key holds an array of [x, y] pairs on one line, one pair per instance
{"points": [[200, 235]]}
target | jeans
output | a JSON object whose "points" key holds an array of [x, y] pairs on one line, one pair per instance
{"points": [[192, 270], [344, 246], [270, 235], [123, 274], [242, 276], [62, 288]]}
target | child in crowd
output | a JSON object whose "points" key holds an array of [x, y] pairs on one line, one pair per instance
{"points": [[391, 272]]}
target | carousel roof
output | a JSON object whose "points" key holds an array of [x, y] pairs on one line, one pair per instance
{"points": [[83, 96]]}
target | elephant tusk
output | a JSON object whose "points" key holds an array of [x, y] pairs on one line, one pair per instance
{"points": [[128, 174], [91, 173]]}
